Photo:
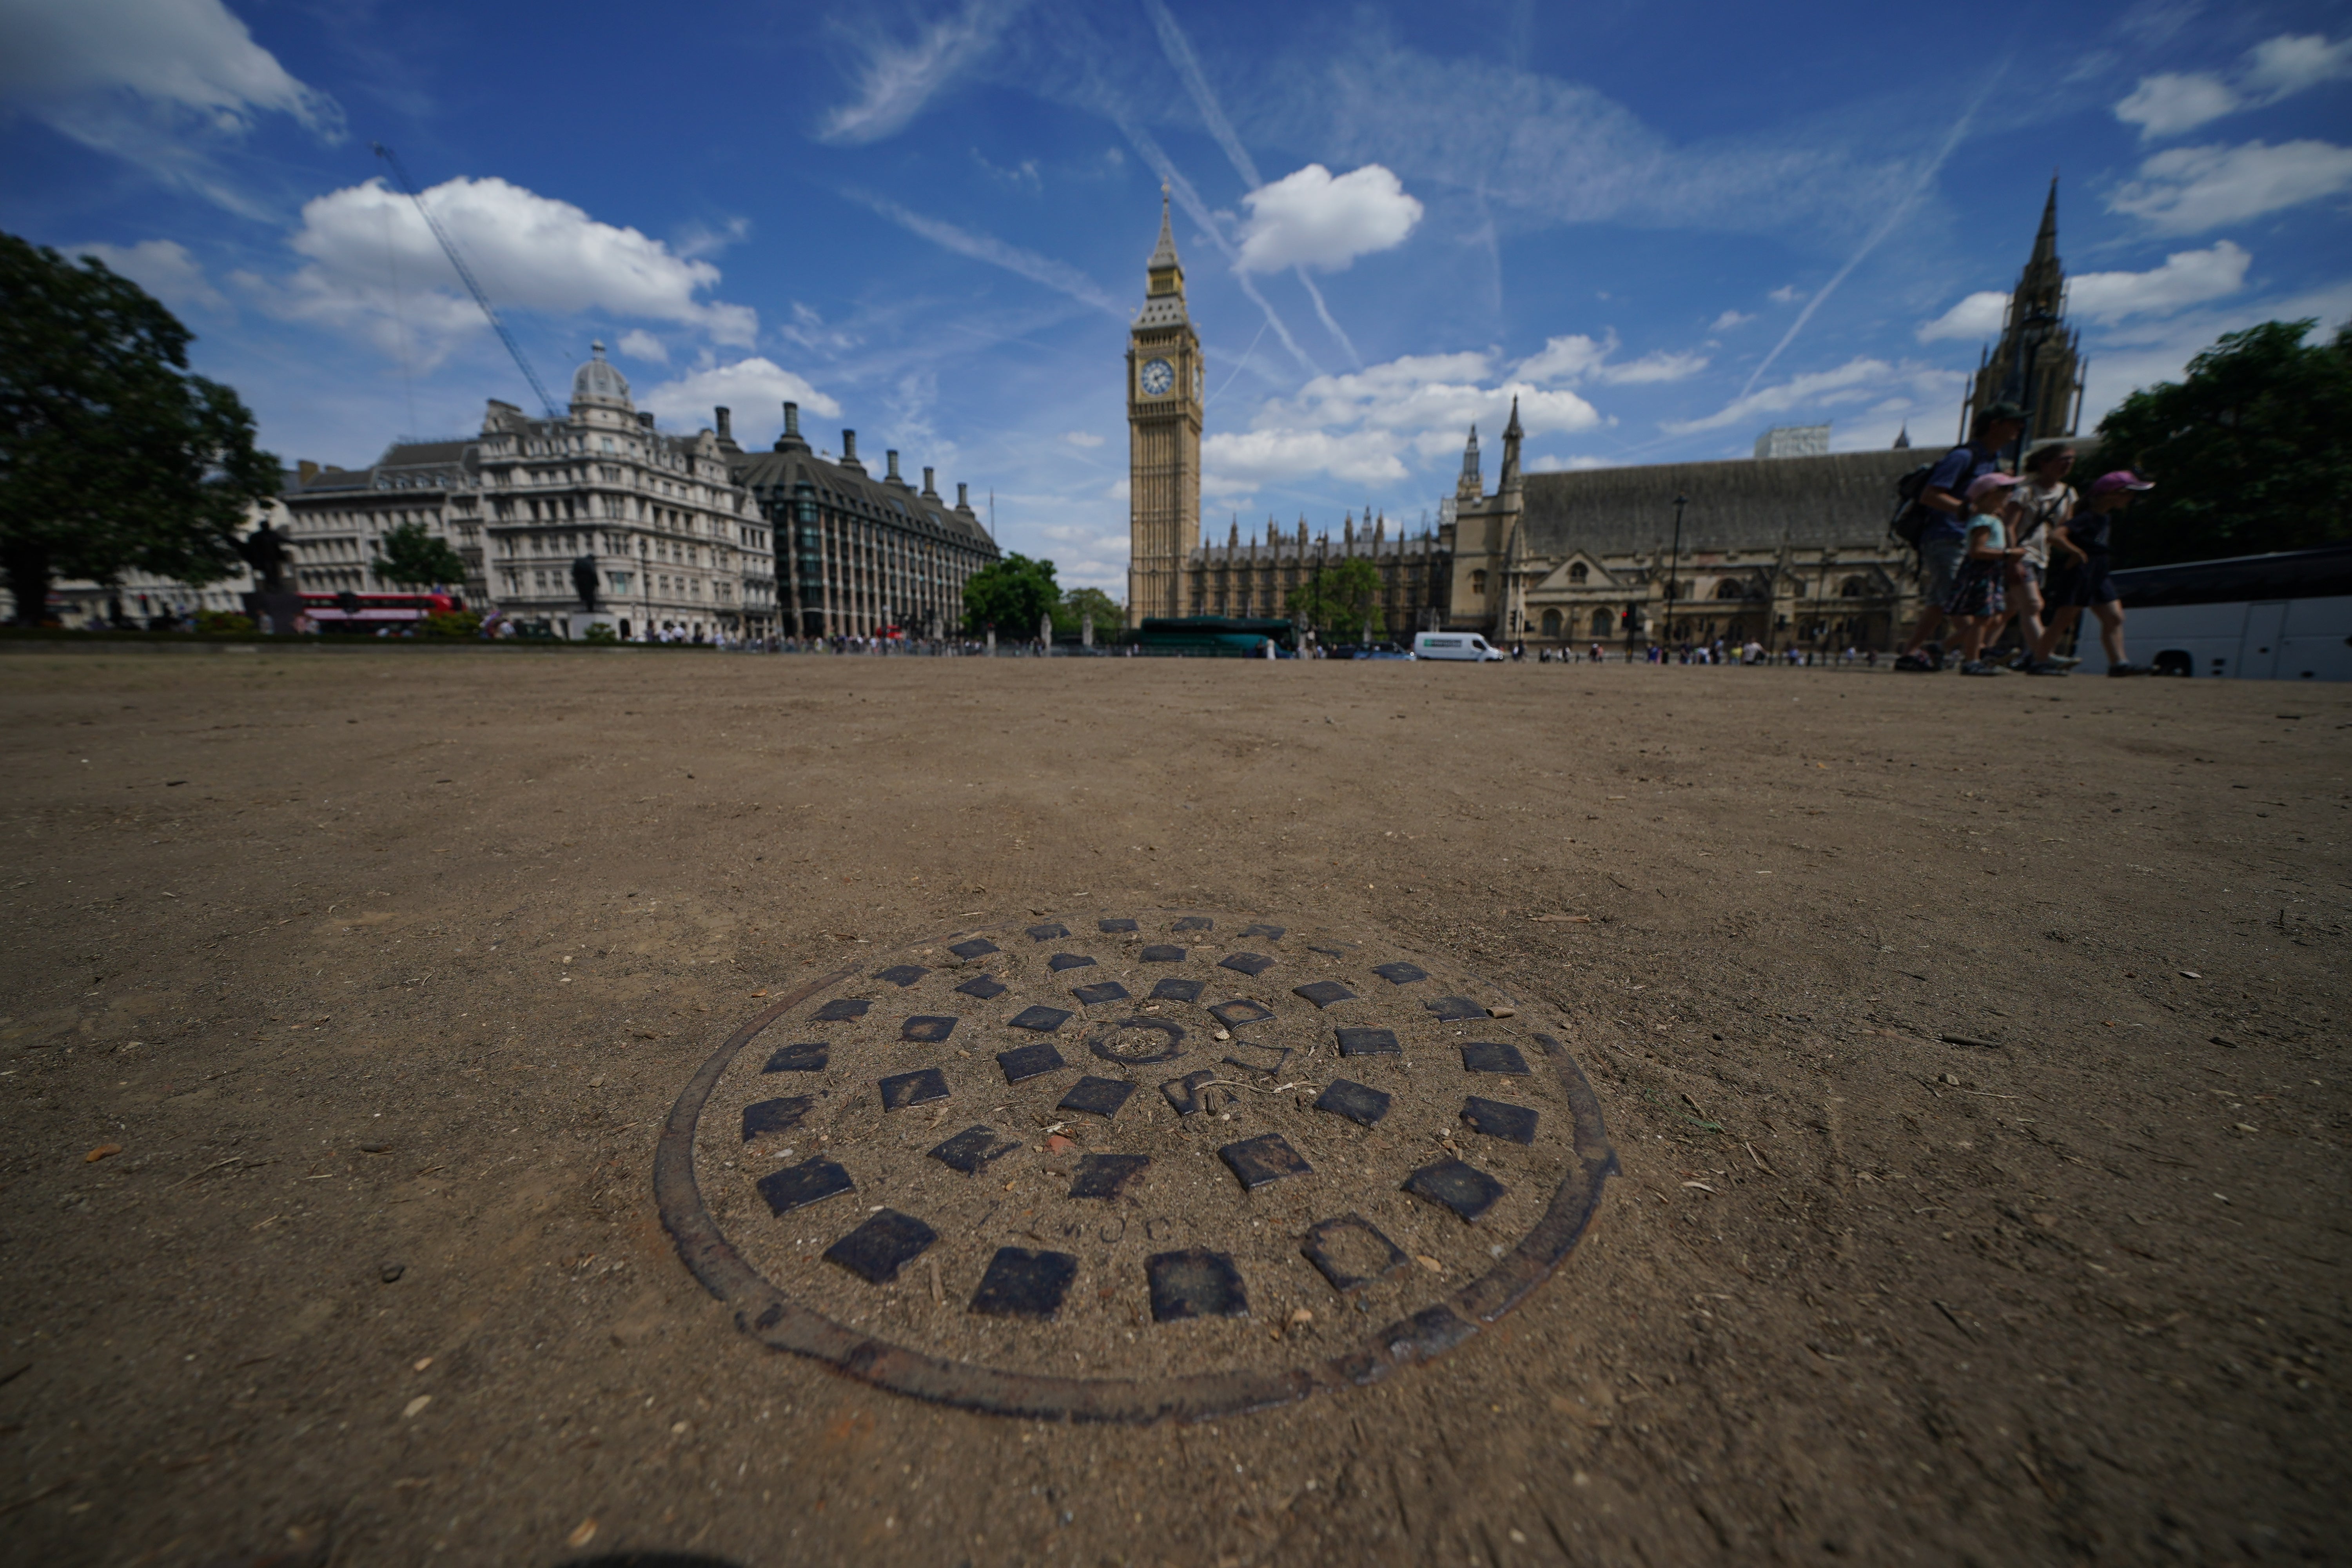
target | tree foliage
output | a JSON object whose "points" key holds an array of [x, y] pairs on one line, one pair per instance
{"points": [[2253, 452], [413, 556], [1081, 606], [112, 457], [1341, 601], [1014, 595]]}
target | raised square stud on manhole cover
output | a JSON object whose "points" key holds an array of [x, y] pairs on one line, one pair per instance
{"points": [[1492, 1056], [1023, 1284], [1271, 934], [929, 1031], [901, 973], [1022, 1063], [1465, 1189], [1174, 990], [1194, 922], [1324, 992], [1106, 1175], [1268, 1157], [1097, 1096], [978, 947], [1115, 925], [840, 1010], [1161, 953], [1248, 963], [972, 1148], [885, 1243], [775, 1115], [1351, 1252], [809, 1057], [1194, 1283], [1184, 1093], [1360, 1104], [1049, 932], [1453, 1009], [1514, 1123], [1399, 973], [1100, 992], [1241, 1010], [987, 987], [918, 1087], [1062, 961], [797, 1186], [1369, 1043], [1043, 1019]]}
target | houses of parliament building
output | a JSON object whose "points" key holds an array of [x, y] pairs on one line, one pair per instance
{"points": [[1786, 550]]}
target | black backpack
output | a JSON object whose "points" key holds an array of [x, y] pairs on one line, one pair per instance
{"points": [[1910, 521]]}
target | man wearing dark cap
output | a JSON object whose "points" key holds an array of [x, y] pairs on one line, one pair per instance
{"points": [[1944, 539], [2080, 549]]}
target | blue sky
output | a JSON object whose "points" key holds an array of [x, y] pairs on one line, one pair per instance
{"points": [[1663, 225]]}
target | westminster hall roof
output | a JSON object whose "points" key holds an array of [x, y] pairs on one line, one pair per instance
{"points": [[1746, 503]]}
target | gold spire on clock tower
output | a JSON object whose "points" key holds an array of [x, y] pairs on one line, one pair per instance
{"points": [[1163, 436]]}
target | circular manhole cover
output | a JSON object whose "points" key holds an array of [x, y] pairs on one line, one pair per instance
{"points": [[1123, 1168]]}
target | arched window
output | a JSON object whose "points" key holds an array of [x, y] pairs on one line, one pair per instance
{"points": [[1551, 620], [1729, 588], [1602, 623], [1577, 572], [1854, 588]]}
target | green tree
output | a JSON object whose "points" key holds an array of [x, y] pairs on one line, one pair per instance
{"points": [[112, 457], [411, 556], [2251, 452], [1341, 601], [1081, 606], [1013, 596]]}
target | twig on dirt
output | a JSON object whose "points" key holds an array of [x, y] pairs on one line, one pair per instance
{"points": [[1758, 1158], [208, 1169], [1951, 1318]]}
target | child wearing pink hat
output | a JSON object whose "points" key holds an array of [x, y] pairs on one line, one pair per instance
{"points": [[2080, 549], [1976, 603]]}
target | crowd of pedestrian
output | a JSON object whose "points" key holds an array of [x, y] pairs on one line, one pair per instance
{"points": [[1997, 547]]}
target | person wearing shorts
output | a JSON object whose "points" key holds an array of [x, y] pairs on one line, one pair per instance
{"points": [[2043, 499], [1976, 603], [2079, 579], [1943, 538]]}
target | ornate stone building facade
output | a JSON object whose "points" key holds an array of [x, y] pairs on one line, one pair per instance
{"points": [[1254, 578], [858, 555], [1788, 551], [2038, 364], [1163, 438]]}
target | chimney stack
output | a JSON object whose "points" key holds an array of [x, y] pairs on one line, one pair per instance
{"points": [[929, 492], [726, 425], [964, 500], [791, 418], [849, 451], [891, 457]]}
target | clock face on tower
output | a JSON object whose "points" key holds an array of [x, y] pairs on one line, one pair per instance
{"points": [[1159, 376]]}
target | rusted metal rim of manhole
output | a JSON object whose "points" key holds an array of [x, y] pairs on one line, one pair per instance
{"points": [[1133, 1165]]}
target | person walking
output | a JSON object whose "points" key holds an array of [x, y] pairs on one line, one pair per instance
{"points": [[1944, 532], [2044, 499], [2082, 546], [1976, 601]]}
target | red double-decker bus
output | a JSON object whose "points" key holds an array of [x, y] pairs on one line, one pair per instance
{"points": [[370, 612]]}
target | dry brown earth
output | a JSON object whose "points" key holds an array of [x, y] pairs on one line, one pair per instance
{"points": [[2076, 1293]]}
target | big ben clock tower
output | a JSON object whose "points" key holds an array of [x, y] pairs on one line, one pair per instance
{"points": [[1163, 437]]}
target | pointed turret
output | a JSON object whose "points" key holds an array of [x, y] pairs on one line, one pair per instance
{"points": [[1473, 483], [1163, 294], [1903, 437], [1512, 434]]}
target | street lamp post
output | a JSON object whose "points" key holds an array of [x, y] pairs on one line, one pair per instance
{"points": [[1674, 567]]}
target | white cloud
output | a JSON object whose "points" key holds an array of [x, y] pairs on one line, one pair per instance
{"points": [[1729, 319], [2168, 104], [695, 238], [1311, 219], [755, 389], [2187, 189], [1786, 294], [2274, 69], [1859, 380], [1058, 276], [1660, 365], [1579, 358], [372, 266], [161, 267], [2187, 277], [1978, 316], [643, 345], [147, 79], [1082, 438], [1362, 428], [897, 80]]}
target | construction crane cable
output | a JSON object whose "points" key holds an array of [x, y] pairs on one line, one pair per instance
{"points": [[466, 273]]}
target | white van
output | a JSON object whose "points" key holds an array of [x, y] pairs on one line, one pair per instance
{"points": [[1455, 644]]}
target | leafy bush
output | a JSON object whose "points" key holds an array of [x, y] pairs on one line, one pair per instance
{"points": [[600, 633], [453, 624], [222, 623]]}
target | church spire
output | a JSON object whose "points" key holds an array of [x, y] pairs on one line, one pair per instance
{"points": [[1473, 483], [1509, 477], [1166, 271]]}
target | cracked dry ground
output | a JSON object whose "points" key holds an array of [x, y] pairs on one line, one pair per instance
{"points": [[408, 967]]}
